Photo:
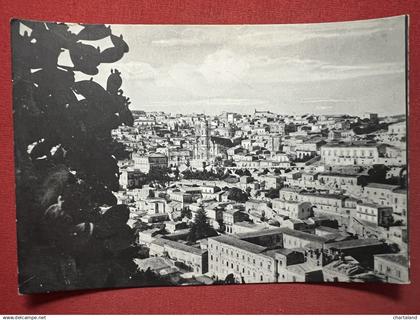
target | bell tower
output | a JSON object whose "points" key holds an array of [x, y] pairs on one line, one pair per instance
{"points": [[202, 133]]}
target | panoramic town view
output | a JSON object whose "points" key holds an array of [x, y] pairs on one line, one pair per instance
{"points": [[268, 153], [263, 197]]}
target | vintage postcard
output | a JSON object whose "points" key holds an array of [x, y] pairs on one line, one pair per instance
{"points": [[165, 155]]}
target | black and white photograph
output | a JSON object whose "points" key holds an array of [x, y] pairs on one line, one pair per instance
{"points": [[177, 155]]}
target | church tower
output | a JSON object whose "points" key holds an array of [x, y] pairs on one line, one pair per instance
{"points": [[202, 133]]}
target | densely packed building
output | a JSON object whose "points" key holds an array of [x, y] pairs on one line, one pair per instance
{"points": [[290, 198]]}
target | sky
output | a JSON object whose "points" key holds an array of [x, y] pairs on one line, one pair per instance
{"points": [[330, 68]]}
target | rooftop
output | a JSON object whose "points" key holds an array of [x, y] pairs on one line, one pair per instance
{"points": [[284, 251], [302, 268], [257, 201], [156, 155], [238, 243], [177, 233], [339, 174], [154, 263], [382, 186], [304, 235], [260, 233], [249, 224], [395, 258], [328, 229], [401, 191], [150, 231], [159, 214], [324, 195], [178, 246], [348, 266], [356, 243]]}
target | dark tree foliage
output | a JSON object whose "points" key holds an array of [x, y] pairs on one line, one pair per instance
{"points": [[218, 161], [231, 179], [200, 227], [139, 226], [237, 195], [230, 279], [366, 127], [186, 212], [229, 163], [149, 279], [243, 172], [273, 193], [159, 176], [203, 175], [222, 226], [378, 173], [248, 191], [66, 160]]}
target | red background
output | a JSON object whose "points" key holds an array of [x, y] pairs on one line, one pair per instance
{"points": [[259, 299]]}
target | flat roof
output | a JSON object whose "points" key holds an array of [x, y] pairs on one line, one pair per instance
{"points": [[156, 155], [180, 232], [401, 191], [382, 186], [349, 266], [325, 195], [302, 268], [249, 224], [178, 245], [154, 263], [304, 235], [238, 243], [356, 243], [150, 231], [338, 174], [394, 257], [161, 214], [260, 233], [284, 251], [256, 201], [290, 189], [328, 229]]}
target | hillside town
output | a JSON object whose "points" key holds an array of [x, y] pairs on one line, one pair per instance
{"points": [[264, 197]]}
